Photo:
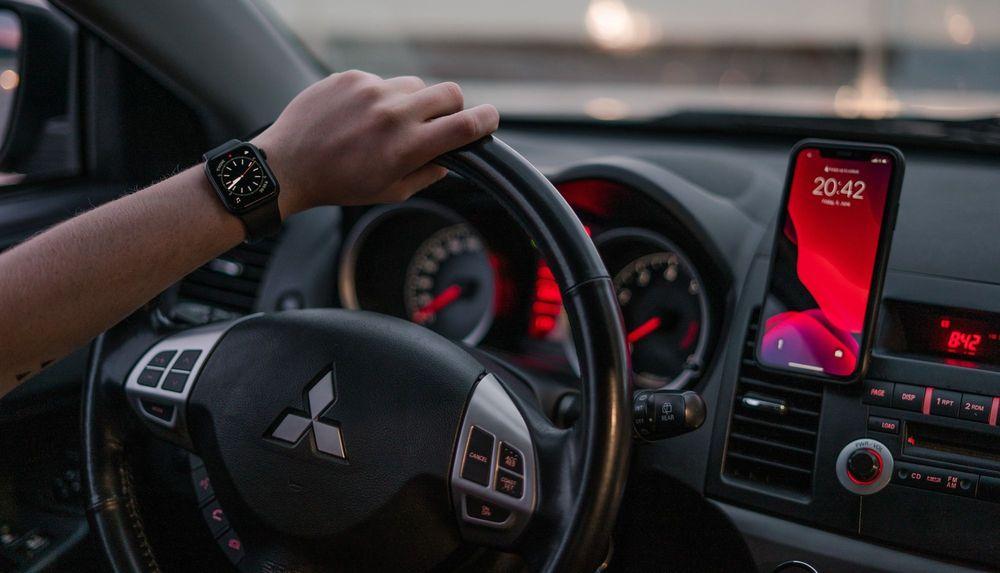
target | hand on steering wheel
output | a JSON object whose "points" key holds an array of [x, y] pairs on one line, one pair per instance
{"points": [[341, 440]]}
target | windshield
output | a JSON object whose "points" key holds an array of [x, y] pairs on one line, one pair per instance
{"points": [[624, 59]]}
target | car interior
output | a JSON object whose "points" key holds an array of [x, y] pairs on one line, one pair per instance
{"points": [[551, 359]]}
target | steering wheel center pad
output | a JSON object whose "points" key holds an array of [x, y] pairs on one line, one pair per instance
{"points": [[280, 390]]}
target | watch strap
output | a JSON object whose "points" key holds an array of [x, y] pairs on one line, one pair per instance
{"points": [[221, 149], [262, 222]]}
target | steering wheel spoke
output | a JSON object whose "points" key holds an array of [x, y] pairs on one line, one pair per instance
{"points": [[160, 384]]}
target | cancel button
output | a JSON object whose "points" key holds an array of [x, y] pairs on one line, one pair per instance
{"points": [[478, 455]]}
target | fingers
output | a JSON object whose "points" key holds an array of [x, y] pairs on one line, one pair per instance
{"points": [[437, 100], [405, 84], [452, 131], [416, 181]]}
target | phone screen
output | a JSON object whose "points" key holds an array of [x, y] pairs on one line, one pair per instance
{"points": [[819, 298]]}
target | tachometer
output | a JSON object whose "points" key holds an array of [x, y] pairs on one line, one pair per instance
{"points": [[449, 285]]}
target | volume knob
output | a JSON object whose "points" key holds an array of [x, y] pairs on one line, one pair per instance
{"points": [[864, 466]]}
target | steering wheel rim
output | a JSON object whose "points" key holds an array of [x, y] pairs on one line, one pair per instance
{"points": [[582, 471]]}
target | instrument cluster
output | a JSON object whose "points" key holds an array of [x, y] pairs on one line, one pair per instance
{"points": [[453, 261]]}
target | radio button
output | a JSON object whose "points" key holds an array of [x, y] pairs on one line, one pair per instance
{"points": [[878, 393], [945, 403], [936, 479], [906, 397], [887, 425], [975, 407]]}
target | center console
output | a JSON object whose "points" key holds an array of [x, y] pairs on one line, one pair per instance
{"points": [[909, 457]]}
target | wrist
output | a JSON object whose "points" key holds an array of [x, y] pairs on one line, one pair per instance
{"points": [[280, 165]]}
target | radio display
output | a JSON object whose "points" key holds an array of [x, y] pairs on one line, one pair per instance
{"points": [[960, 337]]}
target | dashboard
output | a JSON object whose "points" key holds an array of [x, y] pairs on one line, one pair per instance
{"points": [[455, 262], [684, 227]]}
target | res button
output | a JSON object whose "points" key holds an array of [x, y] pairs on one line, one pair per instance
{"points": [[511, 459]]}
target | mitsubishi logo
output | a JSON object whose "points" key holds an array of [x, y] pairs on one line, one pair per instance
{"points": [[293, 425]]}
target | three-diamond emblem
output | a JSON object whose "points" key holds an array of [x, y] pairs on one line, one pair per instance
{"points": [[293, 426]]}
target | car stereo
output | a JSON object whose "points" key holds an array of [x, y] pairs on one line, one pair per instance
{"points": [[955, 336]]}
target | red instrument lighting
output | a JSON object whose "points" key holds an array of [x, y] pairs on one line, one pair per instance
{"points": [[547, 306]]}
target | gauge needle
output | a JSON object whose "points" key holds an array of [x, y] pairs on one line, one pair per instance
{"points": [[443, 299], [644, 330], [242, 175]]}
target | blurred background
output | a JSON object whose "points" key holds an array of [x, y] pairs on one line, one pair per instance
{"points": [[616, 59]]}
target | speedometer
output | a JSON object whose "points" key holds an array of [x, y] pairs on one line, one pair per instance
{"points": [[422, 262], [663, 304], [449, 285]]}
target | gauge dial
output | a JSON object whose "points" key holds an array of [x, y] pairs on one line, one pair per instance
{"points": [[242, 175], [449, 285], [663, 304]]}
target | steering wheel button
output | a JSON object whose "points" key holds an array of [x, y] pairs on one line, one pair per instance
{"points": [[510, 484], [164, 412], [232, 546], [479, 508], [186, 360], [478, 457], [150, 377], [175, 381], [215, 517], [202, 484], [510, 459], [162, 359]]}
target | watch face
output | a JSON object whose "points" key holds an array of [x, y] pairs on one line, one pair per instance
{"points": [[241, 177]]}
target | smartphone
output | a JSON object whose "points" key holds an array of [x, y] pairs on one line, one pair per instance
{"points": [[829, 257]]}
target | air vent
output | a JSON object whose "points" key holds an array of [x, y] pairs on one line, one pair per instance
{"points": [[228, 283], [775, 421]]}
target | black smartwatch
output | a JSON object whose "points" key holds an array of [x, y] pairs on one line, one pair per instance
{"points": [[240, 175]]}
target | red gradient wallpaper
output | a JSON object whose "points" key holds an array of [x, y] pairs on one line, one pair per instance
{"points": [[815, 310]]}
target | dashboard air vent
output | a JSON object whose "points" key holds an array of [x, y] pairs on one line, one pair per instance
{"points": [[227, 285], [774, 425]]}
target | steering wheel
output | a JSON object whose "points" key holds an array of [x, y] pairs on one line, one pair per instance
{"points": [[348, 440]]}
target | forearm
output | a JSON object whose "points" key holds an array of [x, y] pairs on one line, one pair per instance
{"points": [[69, 284], [64, 287]]}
